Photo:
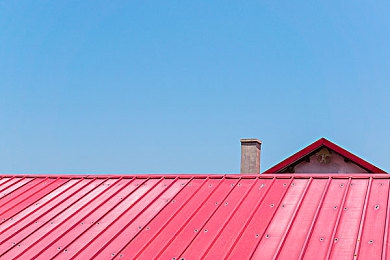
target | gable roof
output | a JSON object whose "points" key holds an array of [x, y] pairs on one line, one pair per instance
{"points": [[300, 155], [266, 216]]}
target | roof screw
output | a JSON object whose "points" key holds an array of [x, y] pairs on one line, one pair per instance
{"points": [[239, 184], [113, 254], [210, 185], [283, 205], [195, 230], [66, 250], [232, 184], [173, 258], [284, 184], [376, 206], [342, 185], [173, 201], [371, 241], [226, 203], [139, 227], [336, 239], [335, 207], [257, 235], [345, 208], [148, 228], [120, 255], [293, 184], [381, 184], [216, 203], [205, 230], [321, 239], [272, 205], [267, 236], [59, 248]]}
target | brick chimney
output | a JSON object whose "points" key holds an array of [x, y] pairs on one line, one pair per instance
{"points": [[250, 155]]}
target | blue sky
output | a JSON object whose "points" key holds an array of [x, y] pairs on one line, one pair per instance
{"points": [[171, 86]]}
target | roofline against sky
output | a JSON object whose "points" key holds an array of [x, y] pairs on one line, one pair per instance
{"points": [[317, 144]]}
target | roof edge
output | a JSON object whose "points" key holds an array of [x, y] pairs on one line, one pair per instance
{"points": [[324, 142]]}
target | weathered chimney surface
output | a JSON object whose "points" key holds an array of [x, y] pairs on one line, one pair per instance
{"points": [[250, 155]]}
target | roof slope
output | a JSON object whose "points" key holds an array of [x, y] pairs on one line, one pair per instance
{"points": [[192, 217], [310, 149]]}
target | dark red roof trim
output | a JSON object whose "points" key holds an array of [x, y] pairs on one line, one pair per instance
{"points": [[320, 143]]}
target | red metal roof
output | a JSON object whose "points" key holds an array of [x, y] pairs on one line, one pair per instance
{"points": [[316, 146], [267, 216]]}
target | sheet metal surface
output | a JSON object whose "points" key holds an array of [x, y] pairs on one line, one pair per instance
{"points": [[281, 216]]}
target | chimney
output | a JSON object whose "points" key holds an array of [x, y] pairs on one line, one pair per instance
{"points": [[250, 155]]}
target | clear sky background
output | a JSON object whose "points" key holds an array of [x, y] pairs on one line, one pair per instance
{"points": [[171, 86]]}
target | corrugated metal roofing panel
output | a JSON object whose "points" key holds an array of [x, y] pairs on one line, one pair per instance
{"points": [[302, 224], [307, 216], [374, 223], [227, 208]]}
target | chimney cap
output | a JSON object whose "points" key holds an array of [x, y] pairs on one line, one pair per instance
{"points": [[250, 140]]}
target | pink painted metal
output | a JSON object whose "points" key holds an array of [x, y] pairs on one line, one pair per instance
{"points": [[271, 216]]}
